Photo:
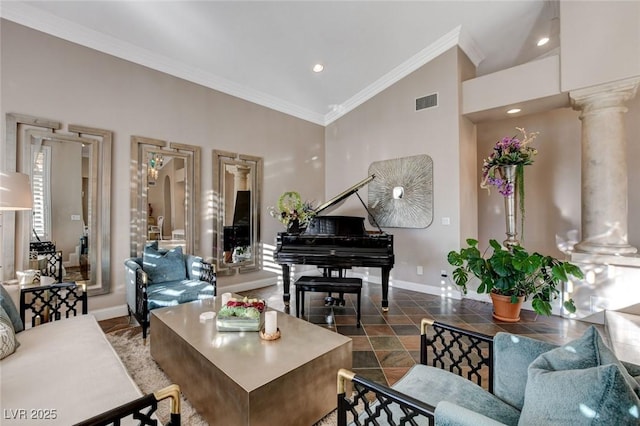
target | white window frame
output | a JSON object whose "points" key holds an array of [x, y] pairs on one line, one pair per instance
{"points": [[41, 189]]}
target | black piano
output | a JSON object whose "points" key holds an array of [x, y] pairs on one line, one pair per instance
{"points": [[238, 234], [335, 243]]}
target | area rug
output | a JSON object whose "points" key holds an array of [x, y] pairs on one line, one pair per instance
{"points": [[149, 377]]}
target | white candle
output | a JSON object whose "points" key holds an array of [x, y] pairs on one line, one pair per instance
{"points": [[270, 322], [225, 298]]}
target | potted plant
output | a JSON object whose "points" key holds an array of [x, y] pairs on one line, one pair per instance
{"points": [[514, 274]]}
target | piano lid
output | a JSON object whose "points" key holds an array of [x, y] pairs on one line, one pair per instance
{"points": [[338, 199]]}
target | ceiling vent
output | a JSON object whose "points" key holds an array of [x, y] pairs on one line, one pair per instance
{"points": [[428, 101]]}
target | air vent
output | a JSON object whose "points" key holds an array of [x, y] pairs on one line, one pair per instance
{"points": [[428, 101]]}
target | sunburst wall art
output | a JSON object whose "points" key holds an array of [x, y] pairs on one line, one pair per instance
{"points": [[401, 194]]}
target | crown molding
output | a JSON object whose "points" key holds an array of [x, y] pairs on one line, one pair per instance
{"points": [[40, 20], [33, 17], [470, 47], [421, 58]]}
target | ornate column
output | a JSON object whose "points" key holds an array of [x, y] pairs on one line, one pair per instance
{"points": [[604, 166]]}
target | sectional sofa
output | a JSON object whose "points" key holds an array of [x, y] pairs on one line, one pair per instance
{"points": [[61, 372]]}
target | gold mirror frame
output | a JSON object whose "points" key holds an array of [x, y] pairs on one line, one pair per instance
{"points": [[141, 148], [222, 159], [20, 128]]}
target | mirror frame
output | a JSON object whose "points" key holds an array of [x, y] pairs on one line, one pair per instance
{"points": [[16, 225], [140, 147], [220, 160]]}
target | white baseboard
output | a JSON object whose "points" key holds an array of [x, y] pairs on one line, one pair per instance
{"points": [[556, 306], [409, 285], [111, 312], [121, 310], [246, 286], [424, 288]]}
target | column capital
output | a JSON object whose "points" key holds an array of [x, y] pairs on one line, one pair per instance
{"points": [[608, 95]]}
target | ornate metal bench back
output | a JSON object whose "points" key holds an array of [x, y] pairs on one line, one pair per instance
{"points": [[53, 267], [379, 410], [49, 303], [142, 410], [141, 294], [465, 353], [208, 274]]}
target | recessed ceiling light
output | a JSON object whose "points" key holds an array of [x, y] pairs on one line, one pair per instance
{"points": [[514, 111], [318, 68], [543, 41]]}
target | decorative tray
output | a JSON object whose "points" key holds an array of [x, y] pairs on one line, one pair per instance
{"points": [[241, 315]]}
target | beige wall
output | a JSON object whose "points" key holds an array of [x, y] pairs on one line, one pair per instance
{"points": [[599, 42], [388, 127], [468, 154], [552, 183], [48, 77]]}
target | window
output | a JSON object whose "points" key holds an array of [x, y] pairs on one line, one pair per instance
{"points": [[41, 188]]}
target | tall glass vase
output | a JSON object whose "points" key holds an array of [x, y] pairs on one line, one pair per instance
{"points": [[509, 174]]}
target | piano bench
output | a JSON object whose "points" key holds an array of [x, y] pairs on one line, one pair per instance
{"points": [[339, 285]]}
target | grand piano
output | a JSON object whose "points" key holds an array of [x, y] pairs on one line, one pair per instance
{"points": [[336, 243]]}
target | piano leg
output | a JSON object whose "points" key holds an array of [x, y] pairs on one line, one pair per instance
{"points": [[385, 289], [286, 283]]}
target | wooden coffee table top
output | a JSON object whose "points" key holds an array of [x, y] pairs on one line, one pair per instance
{"points": [[243, 356]]}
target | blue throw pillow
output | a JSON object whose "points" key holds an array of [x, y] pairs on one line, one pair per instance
{"points": [[514, 353], [162, 266], [10, 308], [580, 383]]}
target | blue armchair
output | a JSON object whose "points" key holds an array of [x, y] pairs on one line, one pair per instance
{"points": [[471, 379], [165, 278]]}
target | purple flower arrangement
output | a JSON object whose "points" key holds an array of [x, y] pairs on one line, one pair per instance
{"points": [[507, 151]]}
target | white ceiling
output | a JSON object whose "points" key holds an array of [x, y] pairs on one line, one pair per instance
{"points": [[263, 51]]}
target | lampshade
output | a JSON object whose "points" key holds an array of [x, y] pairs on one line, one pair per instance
{"points": [[15, 191]]}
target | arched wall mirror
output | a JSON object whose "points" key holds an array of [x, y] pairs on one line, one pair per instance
{"points": [[70, 177], [165, 188], [237, 179]]}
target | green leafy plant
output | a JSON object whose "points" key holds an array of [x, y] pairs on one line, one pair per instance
{"points": [[513, 273]]}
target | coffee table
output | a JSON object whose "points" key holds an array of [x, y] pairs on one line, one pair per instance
{"points": [[236, 378]]}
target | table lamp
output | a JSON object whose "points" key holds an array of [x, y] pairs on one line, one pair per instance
{"points": [[15, 191]]}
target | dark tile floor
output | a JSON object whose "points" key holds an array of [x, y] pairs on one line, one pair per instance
{"points": [[387, 343]]}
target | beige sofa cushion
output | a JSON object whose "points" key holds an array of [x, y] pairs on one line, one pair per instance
{"points": [[67, 366]]}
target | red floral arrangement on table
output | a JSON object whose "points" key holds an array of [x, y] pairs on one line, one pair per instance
{"points": [[243, 308]]}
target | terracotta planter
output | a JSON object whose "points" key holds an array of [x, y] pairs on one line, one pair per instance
{"points": [[504, 310]]}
